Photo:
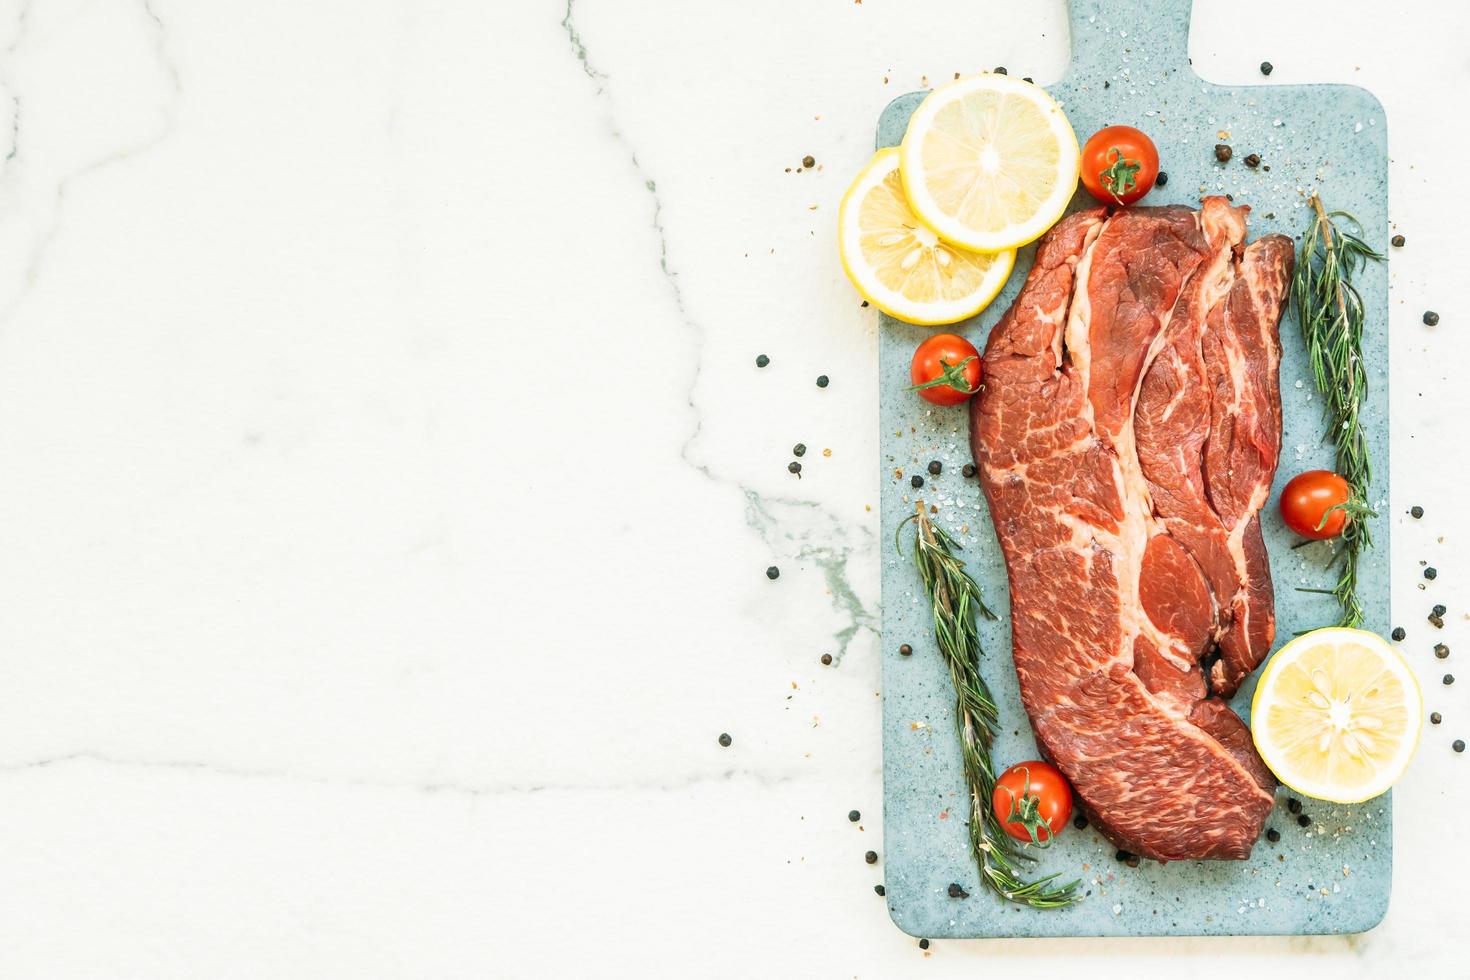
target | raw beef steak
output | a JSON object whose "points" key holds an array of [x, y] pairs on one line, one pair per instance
{"points": [[1127, 436]]}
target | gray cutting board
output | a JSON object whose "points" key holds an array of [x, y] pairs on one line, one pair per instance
{"points": [[1330, 878]]}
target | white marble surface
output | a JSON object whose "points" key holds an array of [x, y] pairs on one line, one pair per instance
{"points": [[386, 487]]}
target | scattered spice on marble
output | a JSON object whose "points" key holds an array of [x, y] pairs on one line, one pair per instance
{"points": [[1416, 512], [935, 467], [1294, 805], [1431, 318], [1266, 67], [794, 467], [1458, 745], [823, 381], [826, 660], [1397, 241], [871, 857], [1431, 573], [968, 470], [1448, 679], [1398, 633], [808, 161], [1272, 834], [1222, 153], [916, 481], [725, 739], [773, 573], [827, 453], [905, 650], [1304, 821], [1253, 160], [853, 816], [799, 449], [762, 360], [1435, 718], [1441, 651]]}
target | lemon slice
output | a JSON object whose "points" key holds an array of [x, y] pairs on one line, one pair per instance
{"points": [[1337, 715], [902, 267], [989, 162]]}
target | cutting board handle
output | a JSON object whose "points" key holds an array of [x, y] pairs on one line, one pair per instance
{"points": [[1102, 29]]}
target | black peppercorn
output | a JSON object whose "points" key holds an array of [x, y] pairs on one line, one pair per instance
{"points": [[1448, 679], [1294, 805], [1441, 651], [935, 467], [826, 660], [762, 360], [799, 449], [808, 161], [1431, 573], [854, 816], [1266, 68], [1435, 718], [905, 650], [1161, 179], [1223, 152], [968, 470], [1272, 834], [1253, 160], [725, 739], [1027, 78], [1304, 821], [1001, 70], [823, 381], [773, 573], [1439, 610], [916, 481], [1430, 318], [1080, 822], [923, 944], [1123, 855], [1398, 633], [1397, 241], [793, 467], [880, 889], [1458, 745], [1416, 512], [957, 891], [871, 857]]}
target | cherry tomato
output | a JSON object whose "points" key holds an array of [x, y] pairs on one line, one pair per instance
{"points": [[1119, 164], [945, 369], [1032, 801], [1308, 500]]}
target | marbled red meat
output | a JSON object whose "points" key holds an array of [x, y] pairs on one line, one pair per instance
{"points": [[1127, 436]]}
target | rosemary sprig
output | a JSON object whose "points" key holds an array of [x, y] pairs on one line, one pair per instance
{"points": [[1331, 315], [955, 600]]}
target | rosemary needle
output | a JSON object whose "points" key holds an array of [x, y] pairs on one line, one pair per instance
{"points": [[955, 600], [1331, 314]]}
